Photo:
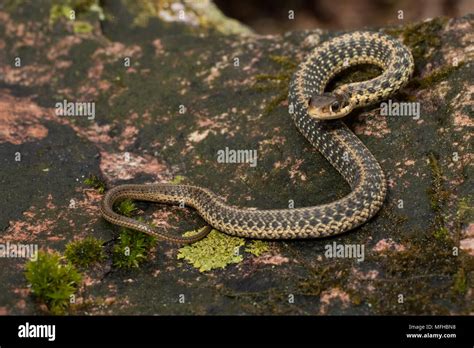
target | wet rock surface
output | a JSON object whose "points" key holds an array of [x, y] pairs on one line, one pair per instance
{"points": [[185, 92]]}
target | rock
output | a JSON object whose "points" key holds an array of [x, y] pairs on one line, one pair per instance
{"points": [[168, 95]]}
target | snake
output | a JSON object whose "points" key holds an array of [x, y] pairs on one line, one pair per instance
{"points": [[317, 114]]}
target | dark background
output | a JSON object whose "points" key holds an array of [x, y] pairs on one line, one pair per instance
{"points": [[271, 16]]}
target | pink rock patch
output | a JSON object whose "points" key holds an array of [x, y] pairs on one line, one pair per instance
{"points": [[467, 244], [23, 231], [159, 48], [20, 120], [386, 245], [328, 296], [272, 260], [63, 46], [372, 126], [120, 166]]}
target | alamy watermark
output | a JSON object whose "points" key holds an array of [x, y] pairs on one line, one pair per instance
{"points": [[27, 251], [391, 108], [345, 251], [28, 330], [76, 109], [237, 156]]}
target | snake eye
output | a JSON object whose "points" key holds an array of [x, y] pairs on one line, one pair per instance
{"points": [[335, 106]]}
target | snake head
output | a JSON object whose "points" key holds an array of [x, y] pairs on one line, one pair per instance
{"points": [[329, 106]]}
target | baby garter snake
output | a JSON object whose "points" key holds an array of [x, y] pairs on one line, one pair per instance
{"points": [[315, 114]]}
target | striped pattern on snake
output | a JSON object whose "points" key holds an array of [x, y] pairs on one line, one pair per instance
{"points": [[316, 114]]}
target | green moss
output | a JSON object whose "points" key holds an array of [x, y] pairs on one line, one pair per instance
{"points": [[465, 210], [423, 39], [460, 282], [96, 183], [257, 247], [178, 179], [133, 249], [52, 281], [63, 9], [435, 77], [81, 27], [143, 10], [86, 252], [126, 207], [441, 234], [58, 11], [276, 83], [217, 250]]}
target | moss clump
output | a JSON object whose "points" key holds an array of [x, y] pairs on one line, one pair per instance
{"points": [[52, 281], [126, 207], [435, 77], [257, 247], [133, 249], [178, 179], [81, 27], [86, 252], [465, 210], [460, 282], [423, 39], [142, 11], [96, 183], [58, 11], [441, 234], [65, 8], [217, 250], [277, 83]]}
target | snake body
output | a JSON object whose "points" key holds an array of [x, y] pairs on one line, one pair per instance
{"points": [[339, 145]]}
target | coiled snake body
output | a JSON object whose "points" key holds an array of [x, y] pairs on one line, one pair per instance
{"points": [[314, 113]]}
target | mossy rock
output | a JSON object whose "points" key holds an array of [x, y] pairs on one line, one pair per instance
{"points": [[190, 89]]}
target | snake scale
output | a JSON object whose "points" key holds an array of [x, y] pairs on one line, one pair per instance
{"points": [[316, 114]]}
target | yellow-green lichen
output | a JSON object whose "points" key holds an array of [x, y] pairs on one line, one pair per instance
{"points": [[72, 9], [82, 27], [58, 11], [217, 250], [178, 179], [442, 233], [257, 247]]}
